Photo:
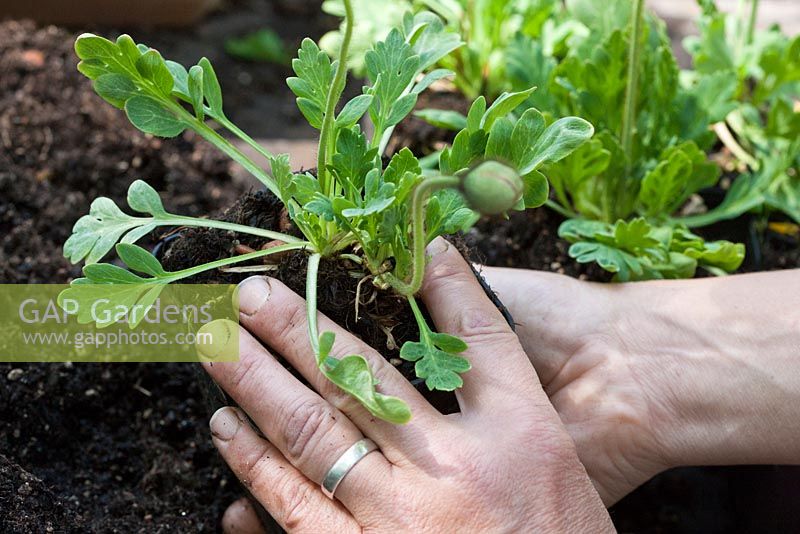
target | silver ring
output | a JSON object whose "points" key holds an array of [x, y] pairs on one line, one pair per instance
{"points": [[345, 463]]}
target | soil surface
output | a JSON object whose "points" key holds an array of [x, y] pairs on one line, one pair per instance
{"points": [[93, 448]]}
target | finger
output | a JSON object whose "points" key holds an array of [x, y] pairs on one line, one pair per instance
{"points": [[296, 503], [277, 315], [459, 306], [241, 518], [310, 433]]}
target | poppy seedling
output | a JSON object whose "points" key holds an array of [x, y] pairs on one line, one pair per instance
{"points": [[356, 208]]}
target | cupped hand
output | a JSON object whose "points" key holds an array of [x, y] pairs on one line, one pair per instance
{"points": [[505, 463], [607, 393]]}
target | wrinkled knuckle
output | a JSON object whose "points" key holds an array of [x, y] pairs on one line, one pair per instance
{"points": [[307, 425], [484, 326], [243, 374], [287, 322], [255, 475], [295, 497]]}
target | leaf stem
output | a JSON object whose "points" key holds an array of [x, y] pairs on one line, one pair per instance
{"points": [[558, 208], [751, 23], [632, 89], [334, 94], [242, 135], [179, 275], [422, 324], [222, 225], [311, 302], [418, 235], [224, 145]]}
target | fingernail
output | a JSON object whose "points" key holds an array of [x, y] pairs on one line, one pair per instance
{"points": [[438, 246], [253, 294], [225, 423], [218, 341]]}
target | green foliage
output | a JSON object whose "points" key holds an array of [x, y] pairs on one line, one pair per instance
{"points": [[436, 356], [490, 30], [352, 374], [760, 74], [262, 45], [355, 204], [637, 250]]}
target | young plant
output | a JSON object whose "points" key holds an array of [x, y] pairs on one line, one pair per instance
{"points": [[760, 122], [492, 31], [380, 216], [616, 69]]}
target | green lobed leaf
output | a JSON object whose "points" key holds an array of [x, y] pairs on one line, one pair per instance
{"points": [[195, 88], [570, 175], [144, 199], [153, 69], [663, 184], [558, 141], [353, 376], [150, 116], [505, 104], [440, 368], [353, 111], [95, 234], [116, 89], [211, 88], [314, 75], [537, 189], [140, 260]]}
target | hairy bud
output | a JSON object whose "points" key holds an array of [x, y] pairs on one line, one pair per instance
{"points": [[492, 188]]}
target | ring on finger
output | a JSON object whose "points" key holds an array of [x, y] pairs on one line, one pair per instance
{"points": [[345, 463]]}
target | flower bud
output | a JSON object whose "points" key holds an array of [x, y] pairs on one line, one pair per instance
{"points": [[492, 188]]}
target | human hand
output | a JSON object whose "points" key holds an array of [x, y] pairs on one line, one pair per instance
{"points": [[653, 375], [505, 463], [569, 330]]}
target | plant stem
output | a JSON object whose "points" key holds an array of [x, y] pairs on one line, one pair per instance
{"points": [[558, 208], [632, 89], [224, 145], [311, 302], [422, 324], [418, 235], [241, 135], [179, 275], [334, 94], [726, 137], [751, 23]]}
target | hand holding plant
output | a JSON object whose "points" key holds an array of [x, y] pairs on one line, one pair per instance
{"points": [[478, 470], [355, 207]]}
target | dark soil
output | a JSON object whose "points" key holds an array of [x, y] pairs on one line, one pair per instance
{"points": [[62, 146], [529, 240], [93, 448]]}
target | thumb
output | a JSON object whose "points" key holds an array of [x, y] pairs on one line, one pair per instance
{"points": [[555, 315]]}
